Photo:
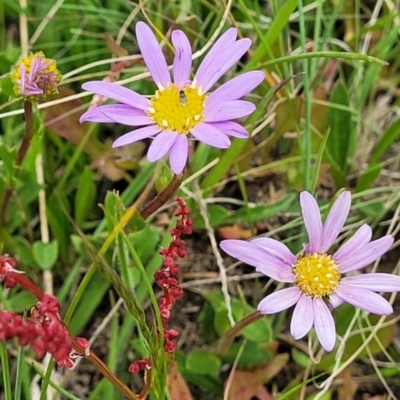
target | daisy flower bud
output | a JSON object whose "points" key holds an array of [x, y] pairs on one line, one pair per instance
{"points": [[35, 76]]}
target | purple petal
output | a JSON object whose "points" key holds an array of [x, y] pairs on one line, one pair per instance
{"points": [[152, 55], [335, 220], [280, 300], [276, 248], [119, 113], [226, 40], [324, 324], [377, 282], [182, 59], [161, 145], [364, 299], [244, 251], [303, 317], [97, 114], [222, 63], [178, 154], [136, 135], [228, 110], [210, 135], [335, 300], [365, 255], [118, 93], [277, 270], [265, 262], [235, 88], [231, 128], [359, 239], [312, 221]]}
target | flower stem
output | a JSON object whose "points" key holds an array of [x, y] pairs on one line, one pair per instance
{"points": [[162, 197]]}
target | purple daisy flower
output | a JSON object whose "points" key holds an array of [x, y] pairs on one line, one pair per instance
{"points": [[317, 276], [35, 76], [181, 106]]}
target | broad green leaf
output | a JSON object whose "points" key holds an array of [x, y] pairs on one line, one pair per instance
{"points": [[252, 355], [203, 362], [45, 254]]}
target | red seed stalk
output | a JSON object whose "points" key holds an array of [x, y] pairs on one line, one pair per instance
{"points": [[165, 277]]}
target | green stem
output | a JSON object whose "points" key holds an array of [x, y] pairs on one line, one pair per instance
{"points": [[6, 370], [323, 54]]}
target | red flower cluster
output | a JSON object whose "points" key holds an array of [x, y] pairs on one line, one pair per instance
{"points": [[7, 265], [44, 331], [166, 279]]}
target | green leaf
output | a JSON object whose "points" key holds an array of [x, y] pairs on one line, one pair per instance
{"points": [[85, 195], [374, 166], [217, 214], [203, 362], [7, 86], [257, 213], [252, 355], [339, 141], [45, 254], [164, 178], [258, 331]]}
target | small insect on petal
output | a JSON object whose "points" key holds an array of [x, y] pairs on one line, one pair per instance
{"points": [[182, 98]]}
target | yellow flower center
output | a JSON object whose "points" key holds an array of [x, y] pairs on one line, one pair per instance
{"points": [[317, 275], [177, 110]]}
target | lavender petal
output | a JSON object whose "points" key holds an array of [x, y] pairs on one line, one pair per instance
{"points": [[364, 299], [120, 113], [312, 221], [324, 324], [276, 248], [334, 222], [235, 88], [359, 239], [178, 154], [243, 251], [152, 55], [303, 317], [117, 93], [377, 282], [161, 145], [136, 135], [228, 110], [182, 59], [221, 64], [365, 255], [231, 128], [279, 301], [210, 135], [335, 300], [226, 40]]}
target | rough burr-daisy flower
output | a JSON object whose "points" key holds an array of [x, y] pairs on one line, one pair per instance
{"points": [[35, 76], [317, 277], [181, 106]]}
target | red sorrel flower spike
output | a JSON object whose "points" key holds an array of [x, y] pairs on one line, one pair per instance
{"points": [[165, 278]]}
